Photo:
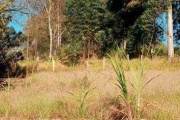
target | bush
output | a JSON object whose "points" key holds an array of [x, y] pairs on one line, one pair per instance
{"points": [[69, 55], [161, 50], [9, 66], [177, 51]]}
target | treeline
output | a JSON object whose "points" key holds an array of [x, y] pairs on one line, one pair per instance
{"points": [[9, 40], [74, 30]]}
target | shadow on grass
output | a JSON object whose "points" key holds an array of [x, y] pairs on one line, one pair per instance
{"points": [[8, 70], [4, 84]]}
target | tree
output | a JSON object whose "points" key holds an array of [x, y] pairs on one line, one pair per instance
{"points": [[46, 27], [170, 33], [37, 30], [143, 35], [58, 19], [9, 39], [59, 5], [48, 8], [125, 14], [84, 23], [135, 23]]}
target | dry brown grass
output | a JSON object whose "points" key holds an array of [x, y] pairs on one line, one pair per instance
{"points": [[58, 95]]}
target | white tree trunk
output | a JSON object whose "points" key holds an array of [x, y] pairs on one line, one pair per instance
{"points": [[48, 10], [170, 34], [51, 37]]}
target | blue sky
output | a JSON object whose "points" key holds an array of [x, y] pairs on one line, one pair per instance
{"points": [[162, 21], [18, 22], [16, 26]]}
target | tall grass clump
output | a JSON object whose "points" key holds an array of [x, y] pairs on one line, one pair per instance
{"points": [[116, 63], [133, 108], [81, 94], [5, 105], [5, 108]]}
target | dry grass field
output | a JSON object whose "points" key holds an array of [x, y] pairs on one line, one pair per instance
{"points": [[78, 93]]}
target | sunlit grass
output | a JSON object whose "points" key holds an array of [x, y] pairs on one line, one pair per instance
{"points": [[46, 94]]}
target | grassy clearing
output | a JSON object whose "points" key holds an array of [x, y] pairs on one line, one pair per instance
{"points": [[75, 94]]}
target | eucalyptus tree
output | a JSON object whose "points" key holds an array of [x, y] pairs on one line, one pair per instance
{"points": [[38, 34], [48, 9], [58, 19], [45, 26], [170, 31], [59, 9]]}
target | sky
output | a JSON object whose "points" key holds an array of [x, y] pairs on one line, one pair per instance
{"points": [[162, 21], [18, 22], [16, 26]]}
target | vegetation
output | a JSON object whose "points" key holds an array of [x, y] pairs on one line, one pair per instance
{"points": [[72, 93], [91, 29], [9, 39], [90, 59]]}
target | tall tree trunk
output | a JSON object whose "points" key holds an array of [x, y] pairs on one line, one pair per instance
{"points": [[60, 7], [51, 39], [170, 34], [48, 10]]}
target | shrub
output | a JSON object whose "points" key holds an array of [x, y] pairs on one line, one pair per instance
{"points": [[177, 51], [69, 55]]}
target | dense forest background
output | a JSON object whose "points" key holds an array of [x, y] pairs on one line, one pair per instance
{"points": [[74, 31]]}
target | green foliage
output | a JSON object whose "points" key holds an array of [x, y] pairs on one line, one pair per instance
{"points": [[136, 22], [123, 17], [161, 50], [38, 36], [177, 51], [118, 52], [85, 24], [98, 26], [138, 85], [122, 84], [176, 21], [9, 39], [69, 54], [144, 33]]}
